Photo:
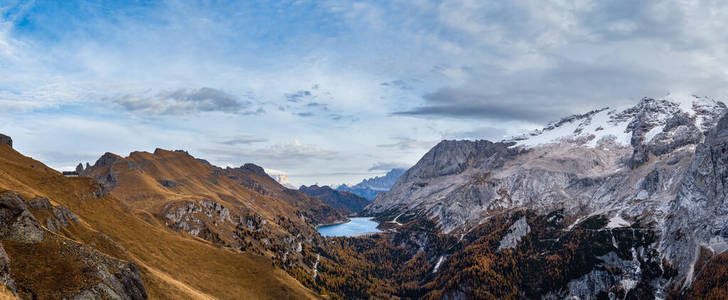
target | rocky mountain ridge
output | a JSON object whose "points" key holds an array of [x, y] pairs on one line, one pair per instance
{"points": [[347, 202], [370, 187], [656, 164]]}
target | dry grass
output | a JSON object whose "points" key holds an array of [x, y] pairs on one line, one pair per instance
{"points": [[173, 265], [139, 175], [6, 294], [51, 269]]}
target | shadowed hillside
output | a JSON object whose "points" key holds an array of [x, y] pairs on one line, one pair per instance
{"points": [[341, 200]]}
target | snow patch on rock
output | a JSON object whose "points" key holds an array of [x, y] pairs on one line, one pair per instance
{"points": [[437, 265], [617, 221]]}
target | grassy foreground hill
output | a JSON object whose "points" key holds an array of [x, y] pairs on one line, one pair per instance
{"points": [[83, 229]]}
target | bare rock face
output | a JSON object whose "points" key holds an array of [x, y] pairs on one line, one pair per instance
{"points": [[255, 169], [515, 232], [699, 214], [60, 217], [40, 203], [5, 271], [103, 170], [438, 174], [454, 157], [106, 160], [120, 280], [648, 114], [4, 139], [16, 222]]}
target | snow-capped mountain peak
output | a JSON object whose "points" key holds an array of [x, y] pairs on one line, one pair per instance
{"points": [[625, 127]]}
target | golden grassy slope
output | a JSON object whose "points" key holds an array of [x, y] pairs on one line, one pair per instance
{"points": [[173, 265], [138, 179], [174, 189]]}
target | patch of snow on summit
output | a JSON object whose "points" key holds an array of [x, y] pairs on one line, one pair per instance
{"points": [[653, 132], [594, 126], [618, 125]]}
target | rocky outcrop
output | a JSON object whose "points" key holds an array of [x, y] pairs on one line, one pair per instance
{"points": [[647, 118], [16, 222], [198, 218], [119, 279], [103, 170], [4, 139], [454, 157], [58, 216], [112, 278], [107, 160], [515, 232], [255, 169], [679, 131]]}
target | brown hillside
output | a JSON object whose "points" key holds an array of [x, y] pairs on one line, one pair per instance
{"points": [[172, 265], [239, 208], [150, 181]]}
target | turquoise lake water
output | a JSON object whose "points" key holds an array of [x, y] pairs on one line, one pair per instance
{"points": [[354, 227]]}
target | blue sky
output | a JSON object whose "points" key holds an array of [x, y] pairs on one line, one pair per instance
{"points": [[334, 91]]}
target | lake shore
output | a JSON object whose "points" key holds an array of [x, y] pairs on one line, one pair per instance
{"points": [[339, 222], [362, 226]]}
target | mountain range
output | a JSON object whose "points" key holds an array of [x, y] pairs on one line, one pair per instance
{"points": [[346, 202], [645, 184], [615, 203], [370, 187]]}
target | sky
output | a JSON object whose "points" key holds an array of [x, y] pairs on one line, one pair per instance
{"points": [[332, 92]]}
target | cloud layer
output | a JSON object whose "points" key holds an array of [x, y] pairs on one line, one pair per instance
{"points": [[334, 91], [182, 101]]}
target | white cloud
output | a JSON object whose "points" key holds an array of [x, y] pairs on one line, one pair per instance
{"points": [[454, 68]]}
